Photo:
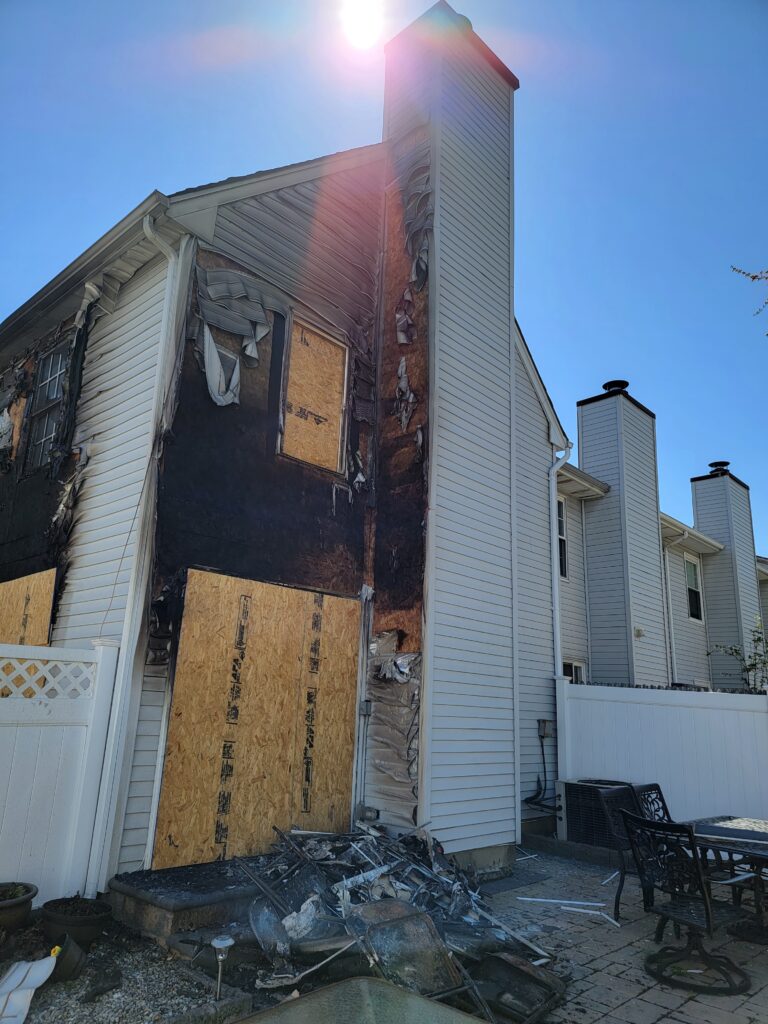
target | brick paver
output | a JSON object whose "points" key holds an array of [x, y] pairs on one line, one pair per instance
{"points": [[607, 982]]}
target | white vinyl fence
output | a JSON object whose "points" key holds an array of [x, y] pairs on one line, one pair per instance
{"points": [[54, 713], [709, 751]]}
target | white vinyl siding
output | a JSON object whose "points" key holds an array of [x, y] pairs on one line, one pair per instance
{"points": [[643, 538], [691, 660], [764, 604], [535, 665], [114, 422], [573, 599], [469, 685], [605, 554]]}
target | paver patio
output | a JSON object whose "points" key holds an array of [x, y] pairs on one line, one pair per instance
{"points": [[608, 982]]}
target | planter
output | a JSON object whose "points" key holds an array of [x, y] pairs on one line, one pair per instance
{"points": [[84, 920], [70, 961], [15, 904]]}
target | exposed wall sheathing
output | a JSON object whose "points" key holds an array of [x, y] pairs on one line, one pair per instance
{"points": [[262, 720], [25, 608]]}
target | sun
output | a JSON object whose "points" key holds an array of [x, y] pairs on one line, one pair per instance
{"points": [[363, 22]]}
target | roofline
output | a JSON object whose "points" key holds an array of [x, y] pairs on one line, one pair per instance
{"points": [[303, 170], [696, 535], [719, 473], [575, 473], [557, 434], [85, 264], [612, 394], [464, 25]]}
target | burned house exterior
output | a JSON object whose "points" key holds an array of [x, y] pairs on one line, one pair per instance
{"points": [[280, 437]]}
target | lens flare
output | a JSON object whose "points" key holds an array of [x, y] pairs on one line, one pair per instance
{"points": [[362, 22]]}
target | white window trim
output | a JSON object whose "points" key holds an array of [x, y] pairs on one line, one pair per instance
{"points": [[695, 560], [563, 536], [577, 664]]}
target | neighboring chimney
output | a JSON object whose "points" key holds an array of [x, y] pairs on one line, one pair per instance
{"points": [[722, 510], [617, 444]]}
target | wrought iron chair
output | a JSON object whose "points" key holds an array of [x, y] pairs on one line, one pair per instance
{"points": [[668, 861], [614, 801], [651, 802]]}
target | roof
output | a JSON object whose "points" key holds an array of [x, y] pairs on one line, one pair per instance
{"points": [[762, 568], [557, 435], [679, 534], [575, 483]]}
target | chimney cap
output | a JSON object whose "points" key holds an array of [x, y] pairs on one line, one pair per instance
{"points": [[717, 468], [616, 385]]}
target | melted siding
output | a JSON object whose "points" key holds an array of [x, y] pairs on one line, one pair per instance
{"points": [[469, 631], [114, 420]]}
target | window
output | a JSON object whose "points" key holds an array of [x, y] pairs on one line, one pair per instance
{"points": [[693, 585], [314, 399], [574, 670], [46, 406], [562, 541]]}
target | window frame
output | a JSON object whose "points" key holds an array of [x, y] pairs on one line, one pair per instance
{"points": [[694, 560], [562, 538], [46, 408], [306, 321], [580, 665]]}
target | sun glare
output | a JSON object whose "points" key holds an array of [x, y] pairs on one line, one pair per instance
{"points": [[363, 22]]}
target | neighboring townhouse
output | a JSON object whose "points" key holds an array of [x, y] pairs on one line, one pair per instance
{"points": [[281, 439], [646, 599]]}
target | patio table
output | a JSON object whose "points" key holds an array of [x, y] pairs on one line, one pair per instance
{"points": [[746, 838]]}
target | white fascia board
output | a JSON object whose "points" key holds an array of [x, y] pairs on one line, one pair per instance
{"points": [[557, 436], [229, 191], [685, 537], [88, 263]]}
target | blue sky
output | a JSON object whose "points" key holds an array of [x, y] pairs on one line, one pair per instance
{"points": [[641, 150]]}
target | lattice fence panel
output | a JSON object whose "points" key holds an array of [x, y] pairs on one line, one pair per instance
{"points": [[52, 679]]}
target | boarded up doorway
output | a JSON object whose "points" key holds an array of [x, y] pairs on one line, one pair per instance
{"points": [[262, 724]]}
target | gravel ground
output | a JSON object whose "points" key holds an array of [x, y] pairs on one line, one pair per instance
{"points": [[153, 986]]}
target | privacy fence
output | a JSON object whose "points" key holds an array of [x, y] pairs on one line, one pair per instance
{"points": [[708, 750], [54, 715]]}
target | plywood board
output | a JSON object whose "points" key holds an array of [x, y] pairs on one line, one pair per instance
{"points": [[314, 399], [25, 608], [262, 722]]}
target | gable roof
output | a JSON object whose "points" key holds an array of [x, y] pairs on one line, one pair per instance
{"points": [[557, 434]]}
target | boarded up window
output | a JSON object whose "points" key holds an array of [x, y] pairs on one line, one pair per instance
{"points": [[314, 399], [25, 608]]}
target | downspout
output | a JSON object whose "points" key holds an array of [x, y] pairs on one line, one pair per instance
{"points": [[670, 618], [555, 558]]}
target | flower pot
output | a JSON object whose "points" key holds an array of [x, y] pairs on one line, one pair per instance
{"points": [[70, 961], [16, 907], [84, 920]]}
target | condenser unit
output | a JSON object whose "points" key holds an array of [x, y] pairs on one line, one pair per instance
{"points": [[580, 817]]}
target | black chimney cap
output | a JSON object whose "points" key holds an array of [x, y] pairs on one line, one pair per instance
{"points": [[718, 467], [616, 385]]}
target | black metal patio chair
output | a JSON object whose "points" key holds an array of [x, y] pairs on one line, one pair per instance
{"points": [[651, 802], [668, 862], [613, 801]]}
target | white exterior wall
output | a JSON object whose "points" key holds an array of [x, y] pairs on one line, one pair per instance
{"points": [[690, 635], [605, 554], [114, 422], [535, 665], [574, 636], [468, 759], [722, 511]]}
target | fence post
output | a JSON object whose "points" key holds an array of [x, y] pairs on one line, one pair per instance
{"points": [[96, 771], [563, 728]]}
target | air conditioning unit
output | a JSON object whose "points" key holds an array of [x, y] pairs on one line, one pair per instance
{"points": [[580, 817]]}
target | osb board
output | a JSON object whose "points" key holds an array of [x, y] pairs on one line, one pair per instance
{"points": [[25, 608], [262, 723], [314, 398]]}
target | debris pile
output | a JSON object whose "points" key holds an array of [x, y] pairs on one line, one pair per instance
{"points": [[365, 903]]}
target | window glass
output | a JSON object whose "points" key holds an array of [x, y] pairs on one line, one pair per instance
{"points": [[46, 406], [693, 586], [562, 542]]}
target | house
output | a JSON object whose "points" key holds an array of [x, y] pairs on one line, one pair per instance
{"points": [[280, 438]]}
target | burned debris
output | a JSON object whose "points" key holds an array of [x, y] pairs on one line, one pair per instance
{"points": [[331, 906]]}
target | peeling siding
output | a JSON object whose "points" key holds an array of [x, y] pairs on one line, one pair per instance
{"points": [[114, 422], [535, 666], [471, 761], [573, 599], [691, 646]]}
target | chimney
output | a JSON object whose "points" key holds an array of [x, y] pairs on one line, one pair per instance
{"points": [[722, 510], [448, 124], [617, 444]]}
